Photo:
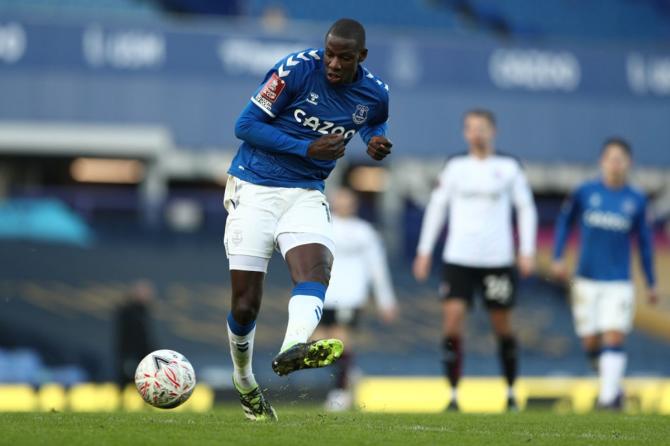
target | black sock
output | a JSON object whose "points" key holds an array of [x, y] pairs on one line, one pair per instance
{"points": [[593, 358], [452, 359], [343, 368], [508, 358]]}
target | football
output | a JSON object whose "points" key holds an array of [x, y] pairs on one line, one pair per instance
{"points": [[165, 379]]}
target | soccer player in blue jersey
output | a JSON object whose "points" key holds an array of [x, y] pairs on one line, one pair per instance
{"points": [[297, 124], [610, 212]]}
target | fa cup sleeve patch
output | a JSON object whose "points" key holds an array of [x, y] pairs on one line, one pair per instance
{"points": [[271, 91]]}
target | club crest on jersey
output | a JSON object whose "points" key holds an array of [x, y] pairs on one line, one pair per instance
{"points": [[361, 114], [313, 98], [273, 88]]}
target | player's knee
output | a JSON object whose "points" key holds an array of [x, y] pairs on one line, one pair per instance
{"points": [[320, 272], [452, 328], [245, 306], [244, 312], [613, 339]]}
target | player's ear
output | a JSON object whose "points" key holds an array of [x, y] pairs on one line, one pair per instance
{"points": [[362, 55]]}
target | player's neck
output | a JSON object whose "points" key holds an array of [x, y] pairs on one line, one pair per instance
{"points": [[481, 152], [614, 182]]}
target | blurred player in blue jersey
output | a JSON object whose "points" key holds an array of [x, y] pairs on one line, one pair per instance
{"points": [[297, 124], [609, 212]]}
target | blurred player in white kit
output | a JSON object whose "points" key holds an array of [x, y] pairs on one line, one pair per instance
{"points": [[359, 266], [477, 192]]}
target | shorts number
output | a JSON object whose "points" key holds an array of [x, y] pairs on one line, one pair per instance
{"points": [[498, 288]]}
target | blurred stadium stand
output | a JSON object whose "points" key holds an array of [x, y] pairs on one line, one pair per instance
{"points": [[116, 122]]}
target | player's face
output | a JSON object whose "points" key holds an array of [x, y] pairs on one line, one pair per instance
{"points": [[341, 59], [615, 162], [344, 203], [478, 131]]}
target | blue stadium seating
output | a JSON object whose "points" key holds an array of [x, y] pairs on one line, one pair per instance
{"points": [[573, 19]]}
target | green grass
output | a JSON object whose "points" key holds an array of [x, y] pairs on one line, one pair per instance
{"points": [[302, 426]]}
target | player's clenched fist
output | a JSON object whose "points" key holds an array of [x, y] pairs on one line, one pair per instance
{"points": [[379, 147], [327, 148]]}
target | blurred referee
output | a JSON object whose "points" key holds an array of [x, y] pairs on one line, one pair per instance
{"points": [[478, 189]]}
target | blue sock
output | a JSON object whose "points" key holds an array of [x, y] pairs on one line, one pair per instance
{"points": [[241, 339]]}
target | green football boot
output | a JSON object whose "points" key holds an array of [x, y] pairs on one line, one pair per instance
{"points": [[308, 355], [255, 406]]}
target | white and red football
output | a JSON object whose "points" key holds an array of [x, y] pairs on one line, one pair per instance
{"points": [[165, 379]]}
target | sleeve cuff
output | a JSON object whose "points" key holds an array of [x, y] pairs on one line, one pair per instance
{"points": [[304, 148]]}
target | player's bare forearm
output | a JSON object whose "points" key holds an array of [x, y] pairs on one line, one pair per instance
{"points": [[379, 147]]}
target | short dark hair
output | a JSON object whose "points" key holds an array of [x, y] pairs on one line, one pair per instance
{"points": [[619, 142], [348, 29], [482, 113]]}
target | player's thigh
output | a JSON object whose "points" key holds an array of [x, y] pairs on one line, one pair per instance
{"points": [[458, 284], [616, 308], [498, 287], [252, 219], [306, 221], [584, 298]]}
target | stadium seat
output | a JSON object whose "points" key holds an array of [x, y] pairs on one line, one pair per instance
{"points": [[52, 397], [17, 398]]}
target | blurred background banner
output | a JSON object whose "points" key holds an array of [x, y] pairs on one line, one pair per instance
{"points": [[193, 79], [116, 131]]}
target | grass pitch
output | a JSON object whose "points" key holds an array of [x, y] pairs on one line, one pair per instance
{"points": [[303, 426]]}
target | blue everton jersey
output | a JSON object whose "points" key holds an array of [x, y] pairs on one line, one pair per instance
{"points": [[608, 218], [296, 105]]}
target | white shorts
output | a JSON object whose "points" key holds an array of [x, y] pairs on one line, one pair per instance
{"points": [[599, 306], [262, 218]]}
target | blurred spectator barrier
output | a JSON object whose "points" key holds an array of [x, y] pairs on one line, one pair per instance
{"points": [[88, 397], [489, 395]]}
